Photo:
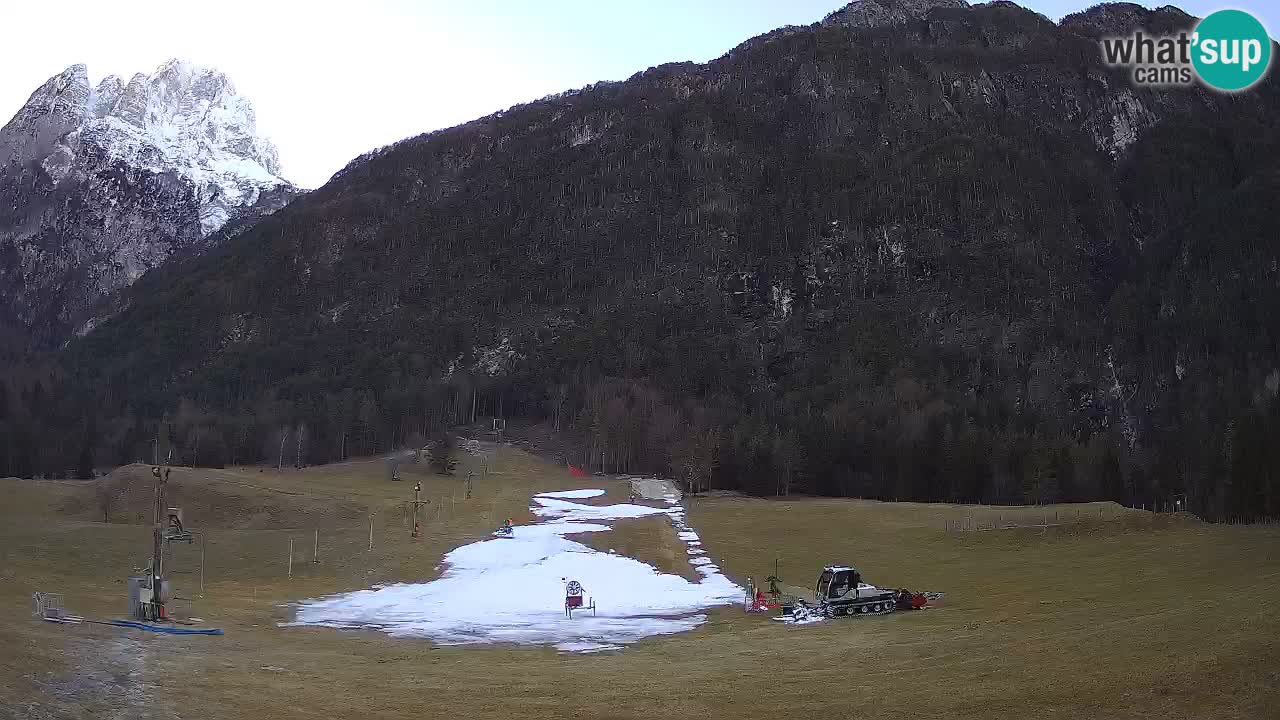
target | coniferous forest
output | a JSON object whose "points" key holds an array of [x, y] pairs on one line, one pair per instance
{"points": [[955, 260]]}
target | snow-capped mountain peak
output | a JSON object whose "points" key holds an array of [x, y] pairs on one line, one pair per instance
{"points": [[182, 118], [101, 183]]}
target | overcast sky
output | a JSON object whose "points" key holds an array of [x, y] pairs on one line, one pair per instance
{"points": [[331, 80]]}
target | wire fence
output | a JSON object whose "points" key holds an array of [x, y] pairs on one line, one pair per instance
{"points": [[985, 519], [1009, 518]]}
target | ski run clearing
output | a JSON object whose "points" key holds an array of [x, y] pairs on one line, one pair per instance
{"points": [[512, 590]]}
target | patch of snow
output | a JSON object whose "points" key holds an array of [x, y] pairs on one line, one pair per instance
{"points": [[585, 647], [804, 620], [571, 494], [574, 512], [511, 590]]}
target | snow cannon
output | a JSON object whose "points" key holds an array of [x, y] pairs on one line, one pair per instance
{"points": [[573, 599]]}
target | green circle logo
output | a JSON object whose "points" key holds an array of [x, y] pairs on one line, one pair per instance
{"points": [[1231, 50]]}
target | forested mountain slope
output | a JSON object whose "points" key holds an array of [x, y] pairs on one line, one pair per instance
{"points": [[948, 255]]}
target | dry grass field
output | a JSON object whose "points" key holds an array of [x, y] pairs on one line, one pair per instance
{"points": [[1130, 616]]}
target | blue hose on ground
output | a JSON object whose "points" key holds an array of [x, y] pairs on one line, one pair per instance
{"points": [[166, 629]]}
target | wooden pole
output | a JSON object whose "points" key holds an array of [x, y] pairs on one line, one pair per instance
{"points": [[315, 548], [204, 540], [157, 543], [290, 557], [417, 491], [371, 532]]}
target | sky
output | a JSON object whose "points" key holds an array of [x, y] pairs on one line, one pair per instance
{"points": [[331, 80]]}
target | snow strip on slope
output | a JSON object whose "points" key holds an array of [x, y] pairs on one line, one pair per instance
{"points": [[574, 512], [571, 494], [511, 590]]}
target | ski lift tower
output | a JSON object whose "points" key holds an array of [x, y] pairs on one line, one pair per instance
{"points": [[160, 518], [149, 595]]}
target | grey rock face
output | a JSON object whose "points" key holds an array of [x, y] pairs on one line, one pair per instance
{"points": [[100, 184]]}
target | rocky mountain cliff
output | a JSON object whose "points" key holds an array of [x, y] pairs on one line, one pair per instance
{"points": [[99, 184], [886, 13], [918, 250]]}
